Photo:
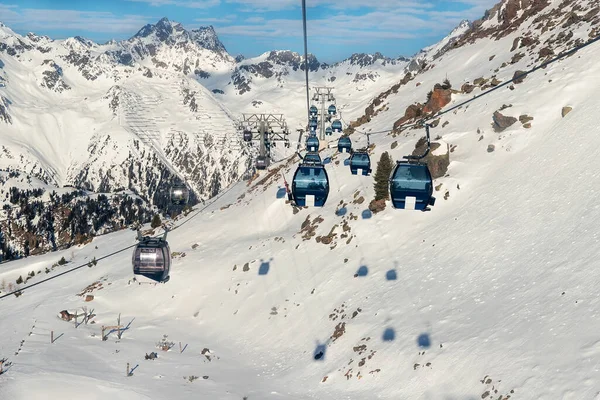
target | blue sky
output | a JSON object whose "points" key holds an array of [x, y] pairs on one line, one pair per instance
{"points": [[337, 28]]}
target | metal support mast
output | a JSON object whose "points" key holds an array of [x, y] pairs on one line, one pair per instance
{"points": [[267, 129], [323, 94]]}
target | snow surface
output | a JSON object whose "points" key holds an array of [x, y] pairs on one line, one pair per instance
{"points": [[494, 289]]}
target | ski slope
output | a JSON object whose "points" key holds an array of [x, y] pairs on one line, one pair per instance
{"points": [[482, 276], [491, 294]]}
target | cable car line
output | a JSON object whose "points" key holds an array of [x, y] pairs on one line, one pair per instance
{"points": [[310, 184], [503, 84], [306, 57], [414, 162], [66, 272], [117, 251]]}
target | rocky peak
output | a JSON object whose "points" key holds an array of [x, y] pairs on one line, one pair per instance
{"points": [[505, 17], [293, 59], [5, 31], [86, 42], [206, 37], [162, 30], [78, 44], [363, 60], [38, 39], [170, 32], [464, 24]]}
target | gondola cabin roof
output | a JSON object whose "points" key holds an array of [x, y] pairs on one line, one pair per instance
{"points": [[345, 141], [313, 158], [152, 242]]}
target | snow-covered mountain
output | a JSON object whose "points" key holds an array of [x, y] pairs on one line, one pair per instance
{"points": [[141, 113], [104, 117], [144, 109], [490, 295]]}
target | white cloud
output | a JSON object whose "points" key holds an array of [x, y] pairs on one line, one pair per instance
{"points": [[8, 13], [181, 3], [91, 21], [265, 5], [211, 20], [372, 26], [276, 5], [254, 20], [410, 21]]}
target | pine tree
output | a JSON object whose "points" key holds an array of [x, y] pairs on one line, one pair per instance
{"points": [[382, 175], [156, 222], [446, 85]]}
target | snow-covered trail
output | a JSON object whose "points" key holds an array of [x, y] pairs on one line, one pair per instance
{"points": [[481, 277], [492, 293]]}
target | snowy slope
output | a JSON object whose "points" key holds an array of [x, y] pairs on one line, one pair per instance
{"points": [[140, 104], [123, 117], [494, 289], [270, 83]]}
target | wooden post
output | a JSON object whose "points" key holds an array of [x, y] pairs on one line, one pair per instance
{"points": [[180, 348], [51, 336], [75, 318], [119, 325], [127, 374], [1, 364], [104, 328]]}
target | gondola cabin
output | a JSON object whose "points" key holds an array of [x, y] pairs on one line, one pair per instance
{"points": [[328, 131], [360, 163], [180, 194], [313, 110], [336, 125], [152, 259], [313, 158], [411, 186], [310, 186], [262, 162], [313, 124], [247, 136], [344, 144], [312, 143], [332, 110]]}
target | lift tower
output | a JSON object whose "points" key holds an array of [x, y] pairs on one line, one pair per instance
{"points": [[267, 129], [323, 95]]}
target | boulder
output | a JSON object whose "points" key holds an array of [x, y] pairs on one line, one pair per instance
{"points": [[525, 118], [566, 110], [546, 52], [437, 160], [518, 73], [467, 88], [439, 99], [66, 315], [412, 112], [495, 82], [376, 206], [501, 122]]}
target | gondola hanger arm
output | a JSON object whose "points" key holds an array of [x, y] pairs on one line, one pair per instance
{"points": [[427, 149]]}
